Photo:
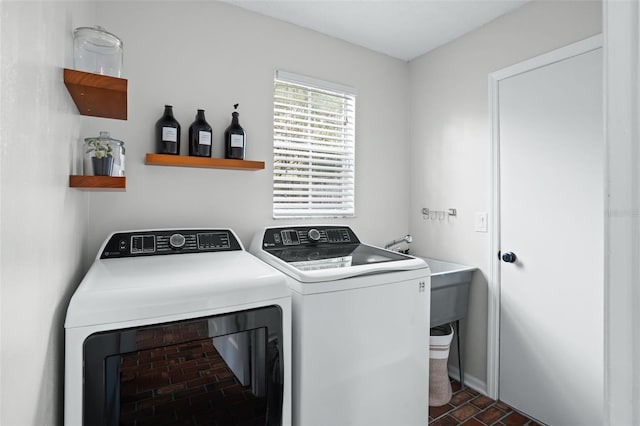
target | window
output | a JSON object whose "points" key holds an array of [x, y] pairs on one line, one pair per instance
{"points": [[313, 148]]}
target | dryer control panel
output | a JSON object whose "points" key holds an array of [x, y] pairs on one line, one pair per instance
{"points": [[308, 236], [169, 241]]}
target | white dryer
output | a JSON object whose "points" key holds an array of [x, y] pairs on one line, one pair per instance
{"points": [[170, 326], [360, 327]]}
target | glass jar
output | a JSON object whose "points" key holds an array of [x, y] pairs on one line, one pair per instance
{"points": [[97, 50], [103, 156]]}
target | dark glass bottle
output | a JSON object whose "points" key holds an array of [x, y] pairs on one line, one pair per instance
{"points": [[200, 135], [235, 138], [168, 133]]}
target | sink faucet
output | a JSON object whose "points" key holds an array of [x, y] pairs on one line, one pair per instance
{"points": [[406, 239]]}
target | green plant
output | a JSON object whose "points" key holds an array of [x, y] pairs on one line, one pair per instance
{"points": [[101, 149]]}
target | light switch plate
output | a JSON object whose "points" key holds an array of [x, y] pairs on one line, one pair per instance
{"points": [[482, 219]]}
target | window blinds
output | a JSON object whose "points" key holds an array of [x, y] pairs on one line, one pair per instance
{"points": [[313, 148]]}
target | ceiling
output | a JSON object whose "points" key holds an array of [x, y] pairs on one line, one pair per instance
{"points": [[403, 29]]}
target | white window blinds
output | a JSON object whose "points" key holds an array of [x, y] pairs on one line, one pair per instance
{"points": [[313, 148]]}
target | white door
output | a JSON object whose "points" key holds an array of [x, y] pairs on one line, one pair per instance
{"points": [[551, 151]]}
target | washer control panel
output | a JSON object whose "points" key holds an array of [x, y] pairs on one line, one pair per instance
{"points": [[307, 236], [166, 241]]}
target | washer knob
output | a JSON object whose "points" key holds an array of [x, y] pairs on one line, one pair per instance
{"points": [[176, 241], [314, 235]]}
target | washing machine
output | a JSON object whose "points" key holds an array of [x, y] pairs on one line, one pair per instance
{"points": [[360, 327], [178, 326]]}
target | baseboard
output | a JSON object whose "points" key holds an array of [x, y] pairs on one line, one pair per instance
{"points": [[469, 380]]}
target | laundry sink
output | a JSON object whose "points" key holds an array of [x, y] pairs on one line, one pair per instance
{"points": [[450, 284]]}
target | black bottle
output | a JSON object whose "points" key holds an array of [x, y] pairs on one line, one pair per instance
{"points": [[168, 133], [235, 138], [200, 135]]}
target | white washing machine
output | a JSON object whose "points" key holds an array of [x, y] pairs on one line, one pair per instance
{"points": [[170, 326], [360, 327]]}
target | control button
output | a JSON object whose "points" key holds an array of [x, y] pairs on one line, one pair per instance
{"points": [[123, 245], [290, 237], [148, 243], [136, 244], [177, 241], [314, 235]]}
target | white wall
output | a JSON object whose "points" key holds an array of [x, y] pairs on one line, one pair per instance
{"points": [[43, 223], [450, 140], [622, 266], [211, 55]]}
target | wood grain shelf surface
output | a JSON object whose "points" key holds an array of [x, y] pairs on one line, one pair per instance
{"points": [[98, 182], [97, 95], [203, 162]]}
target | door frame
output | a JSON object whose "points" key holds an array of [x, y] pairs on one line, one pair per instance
{"points": [[493, 326]]}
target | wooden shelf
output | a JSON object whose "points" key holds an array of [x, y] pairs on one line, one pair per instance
{"points": [[98, 182], [204, 162], [97, 95]]}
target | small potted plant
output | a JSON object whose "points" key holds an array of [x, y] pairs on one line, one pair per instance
{"points": [[101, 157]]}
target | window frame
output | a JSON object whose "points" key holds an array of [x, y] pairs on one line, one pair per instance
{"points": [[313, 148]]}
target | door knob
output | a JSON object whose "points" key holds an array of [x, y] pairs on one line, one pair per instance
{"points": [[509, 257]]}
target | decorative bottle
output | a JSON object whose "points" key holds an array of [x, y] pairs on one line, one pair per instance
{"points": [[235, 138], [168, 133], [200, 136]]}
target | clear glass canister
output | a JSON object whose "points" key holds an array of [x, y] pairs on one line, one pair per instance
{"points": [[97, 50], [103, 156]]}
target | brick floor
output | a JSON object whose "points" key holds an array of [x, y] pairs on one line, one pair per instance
{"points": [[184, 384], [470, 408]]}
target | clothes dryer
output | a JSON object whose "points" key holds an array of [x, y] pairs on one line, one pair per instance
{"points": [[360, 327], [175, 325]]}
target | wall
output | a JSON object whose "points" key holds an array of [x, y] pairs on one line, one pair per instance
{"points": [[450, 147], [211, 55], [43, 223], [622, 265]]}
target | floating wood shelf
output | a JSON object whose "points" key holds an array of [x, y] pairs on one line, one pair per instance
{"points": [[98, 182], [97, 95], [204, 162]]}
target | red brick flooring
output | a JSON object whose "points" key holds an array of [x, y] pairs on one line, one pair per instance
{"points": [[185, 384], [470, 408]]}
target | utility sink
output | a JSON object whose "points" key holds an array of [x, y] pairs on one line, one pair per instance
{"points": [[450, 284]]}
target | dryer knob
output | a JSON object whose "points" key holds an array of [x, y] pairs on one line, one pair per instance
{"points": [[177, 241], [314, 235]]}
